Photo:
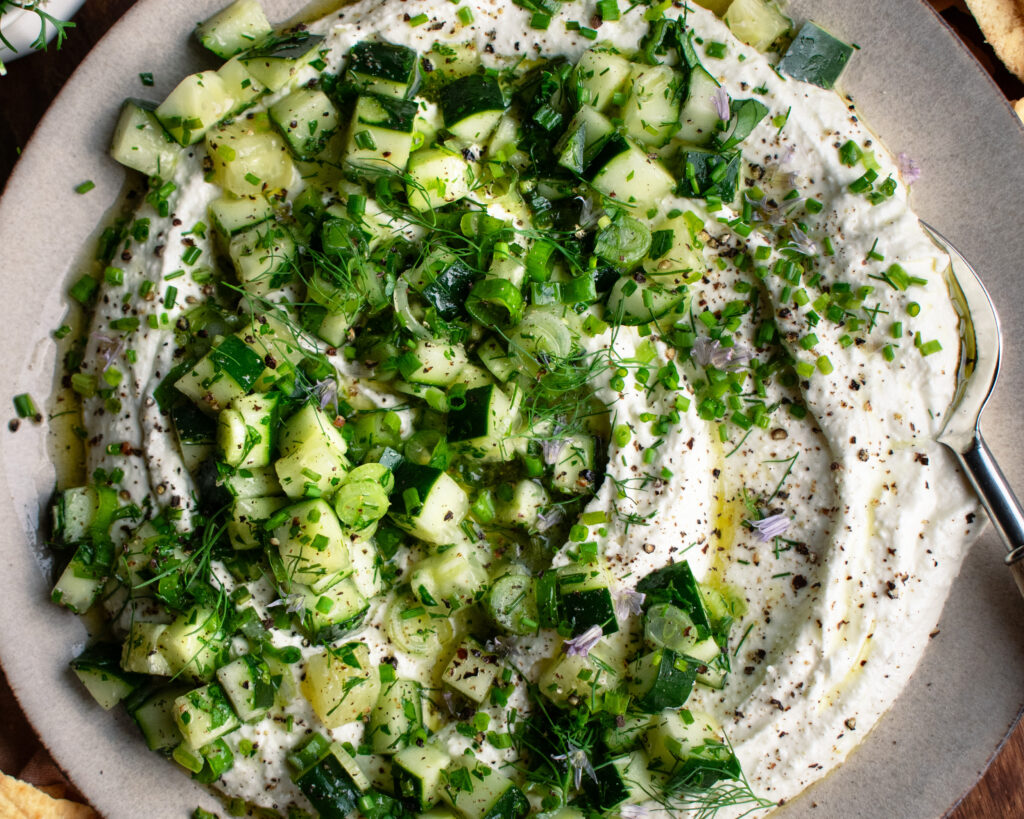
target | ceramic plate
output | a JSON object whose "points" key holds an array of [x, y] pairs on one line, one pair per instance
{"points": [[913, 83]]}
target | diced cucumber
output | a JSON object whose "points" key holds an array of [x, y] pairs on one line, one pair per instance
{"points": [[278, 60], [234, 29], [228, 371], [257, 482], [601, 73], [245, 430], [625, 173], [512, 603], [341, 684], [264, 258], [244, 88], [83, 579], [312, 544], [397, 717], [619, 779], [651, 113], [585, 599], [588, 130], [437, 177], [719, 7], [141, 143], [249, 157], [382, 68], [232, 215], [141, 650], [679, 264], [419, 775], [439, 363], [471, 107], [73, 512], [380, 134], [574, 470], [333, 612], [815, 56], [677, 585], [428, 503], [249, 685], [669, 626], [248, 516], [496, 359], [204, 715], [472, 670], [625, 737], [193, 644], [482, 424], [662, 679], [524, 507], [99, 670], [155, 718], [758, 23], [334, 784], [450, 580], [690, 748], [198, 103], [698, 119], [479, 792], [307, 120]]}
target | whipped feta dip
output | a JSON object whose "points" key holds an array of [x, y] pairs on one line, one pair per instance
{"points": [[866, 517]]}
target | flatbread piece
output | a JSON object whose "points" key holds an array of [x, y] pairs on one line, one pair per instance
{"points": [[1002, 23], [19, 800]]}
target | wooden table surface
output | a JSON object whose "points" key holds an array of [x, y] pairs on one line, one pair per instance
{"points": [[33, 81]]}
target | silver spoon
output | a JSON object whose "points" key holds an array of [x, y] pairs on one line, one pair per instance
{"points": [[980, 352]]}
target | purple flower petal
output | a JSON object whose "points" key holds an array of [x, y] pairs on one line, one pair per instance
{"points": [[771, 527], [910, 170], [580, 646], [578, 763], [629, 602], [721, 101], [326, 392], [633, 812], [710, 353]]}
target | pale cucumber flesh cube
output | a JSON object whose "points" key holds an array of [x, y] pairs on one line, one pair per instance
{"points": [[602, 74], [141, 143], [264, 258], [198, 103], [311, 542], [342, 685], [651, 113], [231, 215], [236, 28], [758, 23], [249, 157], [242, 85], [437, 177]]}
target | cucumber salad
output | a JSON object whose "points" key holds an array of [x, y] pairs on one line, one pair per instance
{"points": [[498, 409]]}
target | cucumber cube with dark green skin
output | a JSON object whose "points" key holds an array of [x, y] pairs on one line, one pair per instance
{"points": [[333, 784], [584, 600], [474, 418], [384, 68], [154, 714], [471, 107], [676, 584], [609, 787], [476, 791], [448, 291], [711, 764], [418, 774], [707, 173], [662, 679], [815, 56], [99, 669]]}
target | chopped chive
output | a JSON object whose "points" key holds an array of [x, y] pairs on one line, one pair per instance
{"points": [[125, 324], [863, 183], [84, 289], [170, 296], [850, 153], [930, 347], [715, 50], [85, 187], [913, 309], [824, 364], [540, 20], [608, 9], [191, 255], [113, 275], [465, 15], [897, 329], [146, 77], [888, 352], [25, 406], [418, 20]]}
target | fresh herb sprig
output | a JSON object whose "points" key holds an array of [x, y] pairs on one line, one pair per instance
{"points": [[45, 19]]}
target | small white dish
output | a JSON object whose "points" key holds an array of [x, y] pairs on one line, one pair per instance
{"points": [[21, 27]]}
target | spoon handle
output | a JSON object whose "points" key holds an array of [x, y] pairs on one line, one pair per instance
{"points": [[1004, 510]]}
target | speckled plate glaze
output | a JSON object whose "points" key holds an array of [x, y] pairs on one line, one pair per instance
{"points": [[920, 91]]}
